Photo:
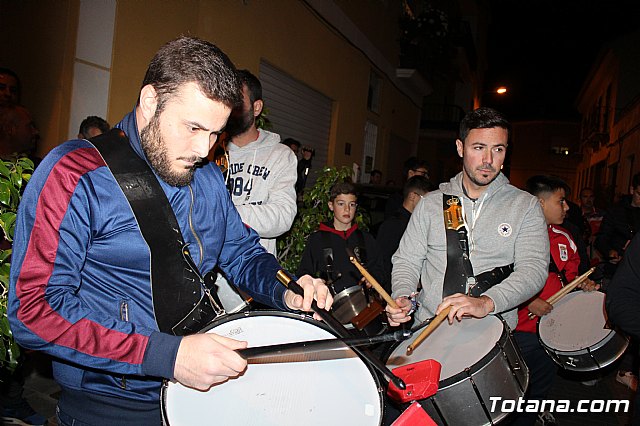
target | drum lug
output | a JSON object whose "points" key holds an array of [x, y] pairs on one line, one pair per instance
{"points": [[571, 361]]}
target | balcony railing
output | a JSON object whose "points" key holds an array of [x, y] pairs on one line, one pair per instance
{"points": [[441, 116]]}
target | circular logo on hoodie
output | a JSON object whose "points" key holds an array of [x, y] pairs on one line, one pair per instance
{"points": [[504, 229]]}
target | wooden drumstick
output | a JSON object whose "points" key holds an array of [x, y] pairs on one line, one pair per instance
{"points": [[375, 284], [566, 289], [428, 329]]}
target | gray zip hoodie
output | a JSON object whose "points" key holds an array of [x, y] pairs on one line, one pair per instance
{"points": [[261, 180], [505, 225]]}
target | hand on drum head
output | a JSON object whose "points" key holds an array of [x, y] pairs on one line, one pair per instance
{"points": [[314, 288], [539, 307], [461, 305], [589, 285], [206, 359], [401, 314]]}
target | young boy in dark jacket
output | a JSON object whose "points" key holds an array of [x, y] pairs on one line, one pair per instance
{"points": [[326, 253]]}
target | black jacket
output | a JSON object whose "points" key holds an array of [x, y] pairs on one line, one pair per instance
{"points": [[623, 292], [621, 222], [389, 236], [325, 256]]}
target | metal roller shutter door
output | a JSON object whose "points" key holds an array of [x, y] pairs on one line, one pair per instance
{"points": [[297, 111]]}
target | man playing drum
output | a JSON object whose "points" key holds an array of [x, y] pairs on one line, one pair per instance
{"points": [[495, 228], [89, 273]]}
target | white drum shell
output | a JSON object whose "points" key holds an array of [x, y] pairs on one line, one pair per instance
{"points": [[331, 388], [575, 334], [479, 360]]}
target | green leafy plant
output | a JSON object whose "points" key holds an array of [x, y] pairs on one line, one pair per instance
{"points": [[14, 175], [262, 122], [313, 211]]}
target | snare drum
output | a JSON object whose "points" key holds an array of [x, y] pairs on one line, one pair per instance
{"points": [[325, 388], [479, 360], [574, 333], [353, 301]]}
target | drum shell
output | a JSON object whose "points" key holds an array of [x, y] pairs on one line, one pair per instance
{"points": [[349, 303], [252, 397], [463, 399], [592, 357]]}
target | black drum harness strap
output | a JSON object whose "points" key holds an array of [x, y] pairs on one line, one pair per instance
{"points": [[174, 275], [459, 272]]}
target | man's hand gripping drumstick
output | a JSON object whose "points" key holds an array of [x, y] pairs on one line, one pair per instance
{"points": [[540, 307]]}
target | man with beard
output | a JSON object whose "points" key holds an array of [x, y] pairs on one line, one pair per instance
{"points": [[86, 281], [502, 230], [262, 172]]}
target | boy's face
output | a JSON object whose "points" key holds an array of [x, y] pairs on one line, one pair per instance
{"points": [[344, 210], [554, 207]]}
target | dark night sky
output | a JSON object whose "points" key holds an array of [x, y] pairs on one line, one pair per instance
{"points": [[543, 50]]}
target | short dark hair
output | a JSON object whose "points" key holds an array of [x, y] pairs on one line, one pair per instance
{"points": [[545, 184], [414, 163], [290, 141], [375, 172], [252, 83], [94, 121], [192, 60], [418, 184], [342, 188], [635, 180], [483, 118]]}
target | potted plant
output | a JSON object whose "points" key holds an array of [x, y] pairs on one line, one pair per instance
{"points": [[14, 175]]}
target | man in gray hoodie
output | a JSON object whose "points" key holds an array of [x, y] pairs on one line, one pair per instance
{"points": [[262, 172], [505, 228]]}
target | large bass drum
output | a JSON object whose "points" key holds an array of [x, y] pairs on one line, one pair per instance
{"points": [[479, 360], [575, 333], [325, 388]]}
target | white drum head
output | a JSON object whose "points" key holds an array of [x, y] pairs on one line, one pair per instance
{"points": [[331, 389], [456, 346], [576, 322]]}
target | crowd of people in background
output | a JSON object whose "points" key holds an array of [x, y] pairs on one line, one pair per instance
{"points": [[266, 178]]}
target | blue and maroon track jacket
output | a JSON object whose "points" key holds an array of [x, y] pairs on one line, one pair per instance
{"points": [[80, 273]]}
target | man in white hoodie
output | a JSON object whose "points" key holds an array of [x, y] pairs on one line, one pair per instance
{"points": [[262, 172], [261, 178]]}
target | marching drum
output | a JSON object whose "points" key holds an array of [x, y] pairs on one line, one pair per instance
{"points": [[353, 307], [323, 388], [575, 334], [479, 360]]}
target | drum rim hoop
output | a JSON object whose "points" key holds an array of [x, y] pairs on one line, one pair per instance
{"points": [[474, 368], [274, 313]]}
